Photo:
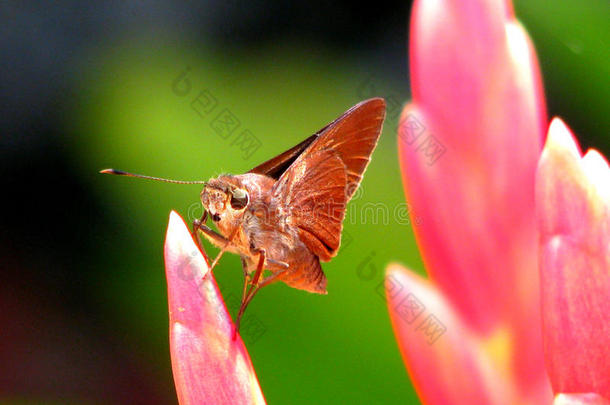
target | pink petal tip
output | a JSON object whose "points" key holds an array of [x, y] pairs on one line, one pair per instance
{"points": [[209, 366]]}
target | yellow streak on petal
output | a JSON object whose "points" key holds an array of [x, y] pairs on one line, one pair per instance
{"points": [[500, 349]]}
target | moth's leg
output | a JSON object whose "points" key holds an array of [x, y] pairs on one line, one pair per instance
{"points": [[256, 284], [196, 225], [278, 263], [253, 288], [214, 237], [244, 266], [224, 247], [270, 279], [198, 222], [262, 257]]}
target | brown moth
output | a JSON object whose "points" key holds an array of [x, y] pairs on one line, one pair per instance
{"points": [[286, 215]]}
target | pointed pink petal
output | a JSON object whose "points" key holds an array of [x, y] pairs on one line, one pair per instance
{"points": [[469, 169], [580, 399], [478, 95], [485, 266], [573, 208], [471, 59], [446, 362], [209, 366]]}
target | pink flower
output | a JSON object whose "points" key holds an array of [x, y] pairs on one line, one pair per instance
{"points": [[469, 145], [573, 206], [210, 367]]}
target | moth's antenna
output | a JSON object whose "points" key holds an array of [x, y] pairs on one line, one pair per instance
{"points": [[141, 176]]}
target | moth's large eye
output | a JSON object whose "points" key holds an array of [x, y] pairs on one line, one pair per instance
{"points": [[239, 199]]}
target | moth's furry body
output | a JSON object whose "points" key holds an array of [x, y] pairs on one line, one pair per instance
{"points": [[262, 224]]}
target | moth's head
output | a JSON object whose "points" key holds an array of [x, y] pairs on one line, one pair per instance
{"points": [[225, 198]]}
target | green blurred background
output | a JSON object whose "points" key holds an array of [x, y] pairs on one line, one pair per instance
{"points": [[84, 314]]}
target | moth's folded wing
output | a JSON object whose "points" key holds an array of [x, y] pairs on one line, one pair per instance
{"points": [[353, 136], [313, 190], [277, 165]]}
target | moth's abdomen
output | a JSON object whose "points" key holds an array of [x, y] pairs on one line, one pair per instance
{"points": [[306, 275]]}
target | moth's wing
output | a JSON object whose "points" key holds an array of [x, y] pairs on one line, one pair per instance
{"points": [[324, 175], [312, 194], [353, 136], [277, 165]]}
